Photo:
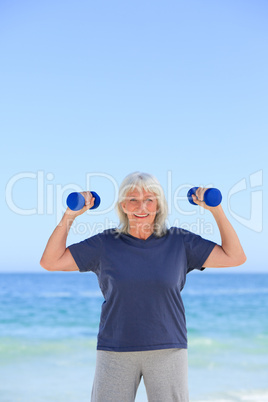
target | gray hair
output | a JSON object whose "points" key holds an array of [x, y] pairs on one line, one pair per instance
{"points": [[149, 183]]}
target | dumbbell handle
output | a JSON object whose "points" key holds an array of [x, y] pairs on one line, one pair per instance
{"points": [[212, 196], [76, 201]]}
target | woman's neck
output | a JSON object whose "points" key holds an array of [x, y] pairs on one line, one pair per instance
{"points": [[140, 232]]}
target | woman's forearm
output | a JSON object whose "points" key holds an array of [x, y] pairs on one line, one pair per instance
{"points": [[230, 253], [56, 244], [56, 256], [230, 241]]}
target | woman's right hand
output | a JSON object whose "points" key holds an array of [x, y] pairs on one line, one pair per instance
{"points": [[89, 202]]}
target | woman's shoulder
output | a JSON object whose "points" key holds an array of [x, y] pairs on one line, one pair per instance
{"points": [[100, 236], [177, 231], [183, 235], [107, 233]]}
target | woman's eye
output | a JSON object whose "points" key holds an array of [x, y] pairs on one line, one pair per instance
{"points": [[133, 199]]}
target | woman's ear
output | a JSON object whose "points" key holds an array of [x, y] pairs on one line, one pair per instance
{"points": [[123, 206]]}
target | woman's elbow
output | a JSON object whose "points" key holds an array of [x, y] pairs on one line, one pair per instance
{"points": [[45, 265], [240, 260]]}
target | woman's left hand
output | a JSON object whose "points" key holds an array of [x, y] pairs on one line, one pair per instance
{"points": [[198, 198]]}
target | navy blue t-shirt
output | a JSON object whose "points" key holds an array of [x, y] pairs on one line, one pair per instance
{"points": [[141, 281]]}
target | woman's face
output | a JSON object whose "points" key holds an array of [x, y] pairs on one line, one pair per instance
{"points": [[141, 208]]}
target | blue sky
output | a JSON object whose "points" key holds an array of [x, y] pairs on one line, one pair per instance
{"points": [[91, 91]]}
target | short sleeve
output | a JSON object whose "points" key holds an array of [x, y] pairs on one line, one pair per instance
{"points": [[87, 253], [197, 250]]}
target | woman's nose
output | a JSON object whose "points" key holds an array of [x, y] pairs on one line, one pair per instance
{"points": [[142, 205]]}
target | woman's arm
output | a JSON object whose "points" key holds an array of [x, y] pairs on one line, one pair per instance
{"points": [[230, 253], [56, 256]]}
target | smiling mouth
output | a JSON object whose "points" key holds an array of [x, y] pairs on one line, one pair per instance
{"points": [[141, 216]]}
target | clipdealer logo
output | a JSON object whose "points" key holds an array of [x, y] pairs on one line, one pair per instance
{"points": [[250, 187], [50, 198]]}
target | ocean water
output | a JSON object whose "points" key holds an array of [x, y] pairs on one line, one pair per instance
{"points": [[49, 324]]}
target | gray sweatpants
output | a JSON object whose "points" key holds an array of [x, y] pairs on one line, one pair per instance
{"points": [[118, 374]]}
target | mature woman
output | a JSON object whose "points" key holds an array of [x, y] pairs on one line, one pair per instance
{"points": [[141, 268]]}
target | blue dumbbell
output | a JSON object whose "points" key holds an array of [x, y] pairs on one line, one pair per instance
{"points": [[76, 201], [212, 196]]}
